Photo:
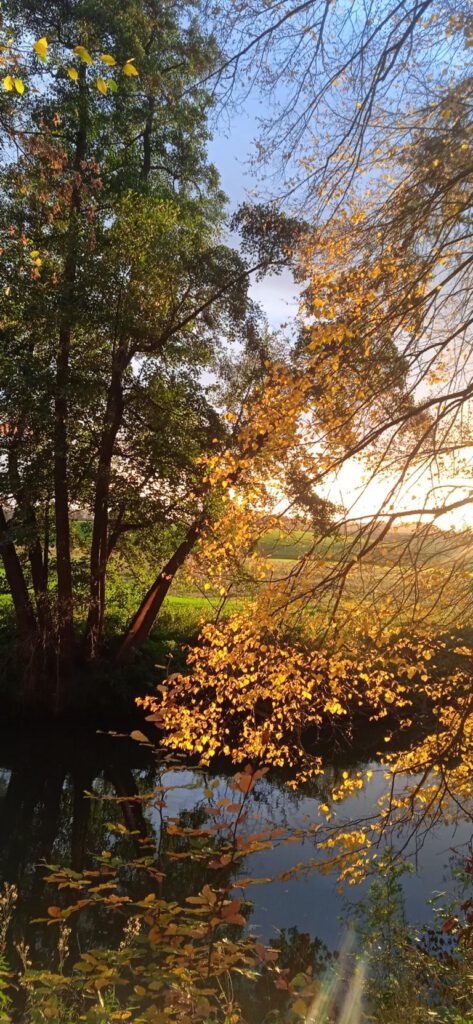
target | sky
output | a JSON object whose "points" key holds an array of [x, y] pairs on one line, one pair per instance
{"points": [[230, 150]]}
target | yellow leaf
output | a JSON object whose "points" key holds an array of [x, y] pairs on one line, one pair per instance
{"points": [[83, 54], [108, 59], [102, 86], [34, 254], [19, 86], [8, 83], [73, 73], [129, 69], [41, 48]]}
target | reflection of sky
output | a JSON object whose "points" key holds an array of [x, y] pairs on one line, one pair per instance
{"points": [[310, 900], [5, 776]]}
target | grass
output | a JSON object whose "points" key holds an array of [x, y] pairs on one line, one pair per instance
{"points": [[186, 608], [400, 546]]}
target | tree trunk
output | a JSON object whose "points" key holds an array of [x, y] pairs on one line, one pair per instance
{"points": [[24, 612], [38, 565], [99, 551], [143, 622], [99, 546], [147, 140], [82, 779], [65, 625]]}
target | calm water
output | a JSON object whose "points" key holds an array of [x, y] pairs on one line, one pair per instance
{"points": [[45, 817]]}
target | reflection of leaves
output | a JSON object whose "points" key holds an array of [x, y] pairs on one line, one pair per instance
{"points": [[230, 913], [139, 737], [247, 779], [266, 954]]}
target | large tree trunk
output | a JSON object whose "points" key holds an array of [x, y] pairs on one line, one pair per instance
{"points": [[143, 622], [65, 604], [99, 546], [24, 612]]}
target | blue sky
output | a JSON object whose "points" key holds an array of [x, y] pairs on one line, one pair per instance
{"points": [[230, 150]]}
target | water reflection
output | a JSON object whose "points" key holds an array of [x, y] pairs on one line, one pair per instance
{"points": [[68, 795]]}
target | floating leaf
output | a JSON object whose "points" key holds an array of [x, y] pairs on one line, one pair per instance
{"points": [[83, 54], [41, 48], [19, 86], [8, 83], [112, 85], [73, 73], [102, 86], [129, 69], [108, 59]]}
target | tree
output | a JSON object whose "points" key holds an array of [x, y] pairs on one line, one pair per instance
{"points": [[342, 84], [388, 287], [382, 376], [118, 293]]}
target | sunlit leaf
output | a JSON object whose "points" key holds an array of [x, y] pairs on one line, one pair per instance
{"points": [[19, 86], [108, 59], [83, 54], [41, 48], [8, 83], [102, 86], [129, 69], [73, 73]]}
